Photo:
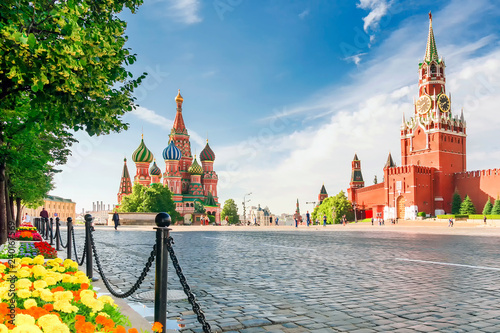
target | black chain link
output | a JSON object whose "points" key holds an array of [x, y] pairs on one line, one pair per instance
{"points": [[58, 232], [138, 282], [74, 248], [187, 290]]}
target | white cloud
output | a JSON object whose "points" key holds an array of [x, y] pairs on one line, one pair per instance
{"points": [[356, 59], [304, 14], [377, 8], [152, 117], [185, 11]]}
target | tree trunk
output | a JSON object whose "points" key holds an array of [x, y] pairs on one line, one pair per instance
{"points": [[11, 208], [19, 212]]}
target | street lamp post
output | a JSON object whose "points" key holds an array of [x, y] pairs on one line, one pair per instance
{"points": [[244, 207]]}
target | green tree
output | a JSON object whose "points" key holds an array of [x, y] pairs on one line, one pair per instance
{"points": [[231, 211], [487, 207], [62, 66], [456, 203], [496, 207], [467, 207], [334, 207], [154, 199]]}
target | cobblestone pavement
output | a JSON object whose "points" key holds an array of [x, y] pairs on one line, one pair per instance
{"points": [[320, 281]]}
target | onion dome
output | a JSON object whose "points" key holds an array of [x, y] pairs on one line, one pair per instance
{"points": [[207, 154], [154, 170], [172, 152], [195, 168], [179, 98], [142, 153]]}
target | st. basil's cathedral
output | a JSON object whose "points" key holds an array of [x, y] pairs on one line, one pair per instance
{"points": [[433, 157], [184, 176]]}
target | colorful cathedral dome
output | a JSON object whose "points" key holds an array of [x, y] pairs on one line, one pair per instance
{"points": [[154, 170], [179, 98], [172, 152], [207, 154], [195, 168], [142, 153]]}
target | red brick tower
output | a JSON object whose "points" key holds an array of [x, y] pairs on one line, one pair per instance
{"points": [[322, 195], [180, 137], [125, 183], [356, 176], [433, 137]]}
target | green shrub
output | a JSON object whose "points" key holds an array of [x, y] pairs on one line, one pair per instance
{"points": [[480, 217], [467, 207], [421, 214], [446, 216], [487, 207], [461, 216]]}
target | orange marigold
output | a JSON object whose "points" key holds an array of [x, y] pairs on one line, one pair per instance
{"points": [[157, 327], [120, 329], [84, 286], [57, 289], [49, 307], [133, 330]]}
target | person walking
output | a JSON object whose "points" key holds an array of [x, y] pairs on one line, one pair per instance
{"points": [[372, 220], [296, 222], [44, 214], [27, 218], [116, 219], [484, 219], [308, 218], [277, 219], [324, 220]]}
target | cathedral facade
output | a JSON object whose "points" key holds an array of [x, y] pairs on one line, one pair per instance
{"points": [[433, 156], [188, 181]]}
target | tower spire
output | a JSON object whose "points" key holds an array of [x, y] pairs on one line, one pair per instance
{"points": [[179, 126], [431, 49]]}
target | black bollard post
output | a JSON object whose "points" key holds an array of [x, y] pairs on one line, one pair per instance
{"points": [[58, 248], [70, 227], [88, 247], [51, 230], [162, 220], [42, 224]]}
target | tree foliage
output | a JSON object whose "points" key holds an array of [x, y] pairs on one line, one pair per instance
{"points": [[467, 207], [231, 211], [456, 202], [199, 208], [496, 208], [488, 206], [62, 67], [154, 199], [334, 208]]}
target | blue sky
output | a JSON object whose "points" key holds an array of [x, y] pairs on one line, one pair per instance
{"points": [[288, 91]]}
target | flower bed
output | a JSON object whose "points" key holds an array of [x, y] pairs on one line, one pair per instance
{"points": [[26, 231], [56, 297], [28, 249]]}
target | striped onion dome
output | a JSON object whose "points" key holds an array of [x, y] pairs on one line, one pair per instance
{"points": [[154, 170], [142, 153], [207, 154], [195, 168], [172, 152]]}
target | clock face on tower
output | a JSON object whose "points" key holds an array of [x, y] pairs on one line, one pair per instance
{"points": [[444, 103], [424, 104]]}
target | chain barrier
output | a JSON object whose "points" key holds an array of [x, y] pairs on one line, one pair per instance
{"points": [[187, 290], [74, 248], [137, 283], [60, 238]]}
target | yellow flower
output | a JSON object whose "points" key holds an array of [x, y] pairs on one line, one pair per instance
{"points": [[58, 260], [61, 269], [23, 293], [50, 281], [23, 284], [106, 299], [29, 303], [81, 279], [3, 329], [104, 314], [9, 276], [59, 328], [24, 319], [47, 321], [87, 292], [2, 269], [68, 278], [40, 284], [65, 306], [26, 329], [39, 271], [46, 295], [24, 272], [63, 295], [35, 293], [39, 260], [27, 261]]}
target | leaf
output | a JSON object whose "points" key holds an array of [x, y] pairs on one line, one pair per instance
{"points": [[31, 40]]}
